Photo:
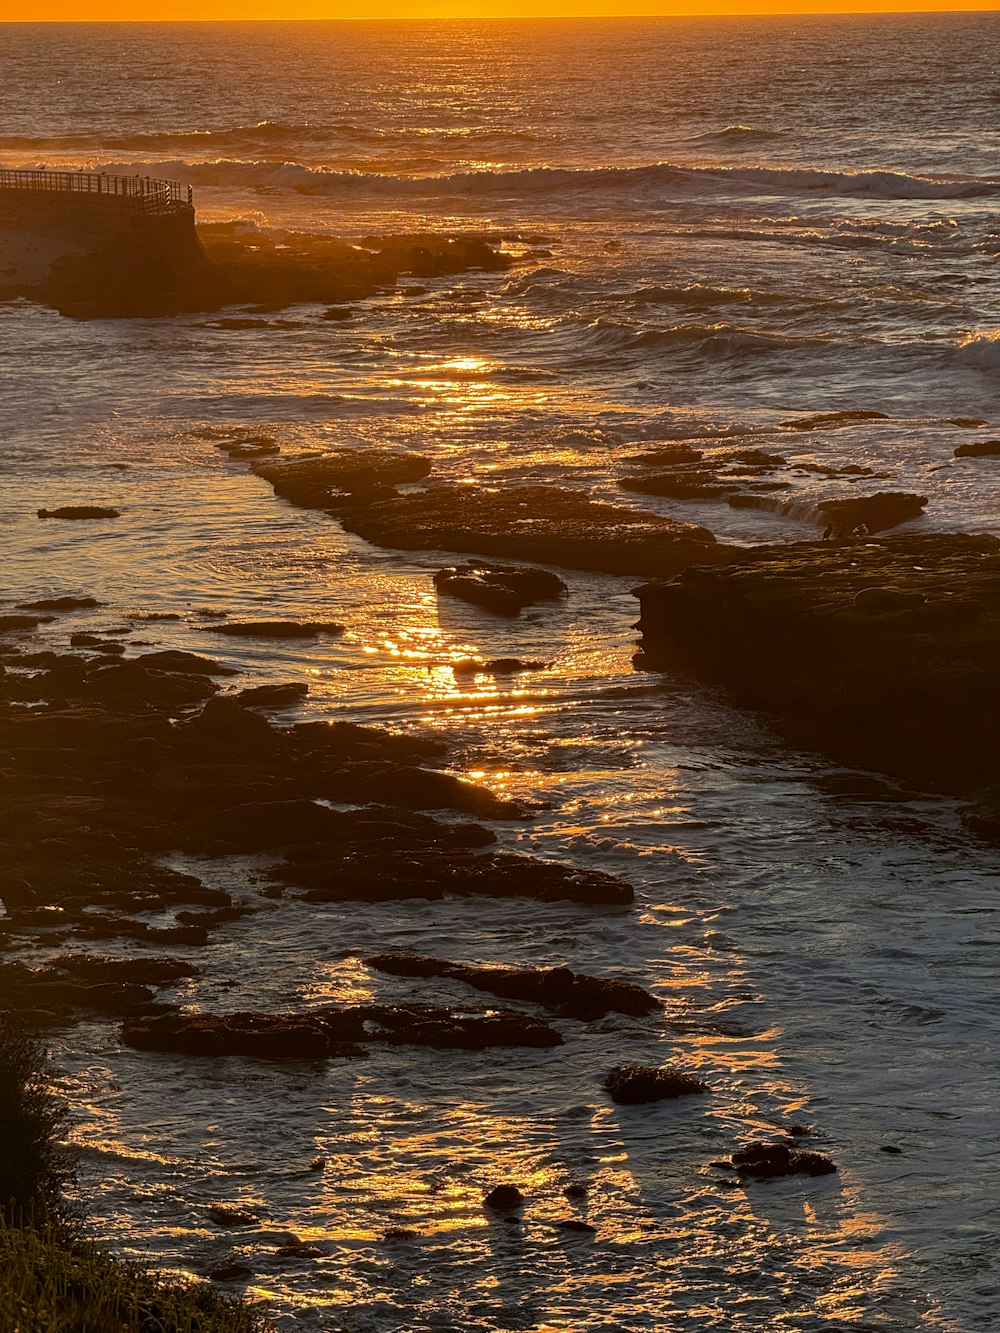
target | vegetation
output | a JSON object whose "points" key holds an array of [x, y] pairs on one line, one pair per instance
{"points": [[52, 1280], [51, 1283]]}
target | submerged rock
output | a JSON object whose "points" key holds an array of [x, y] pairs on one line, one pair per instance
{"points": [[768, 1161], [505, 590], [79, 512], [277, 629], [635, 1085], [60, 604], [325, 481]]}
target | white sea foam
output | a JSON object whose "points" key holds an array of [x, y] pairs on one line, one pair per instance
{"points": [[980, 350]]}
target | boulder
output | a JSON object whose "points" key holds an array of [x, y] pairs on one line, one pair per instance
{"points": [[980, 449], [504, 1198], [767, 1161], [504, 590], [79, 512], [635, 1085]]}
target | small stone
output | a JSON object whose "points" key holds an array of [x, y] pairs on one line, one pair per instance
{"points": [[504, 1198]]}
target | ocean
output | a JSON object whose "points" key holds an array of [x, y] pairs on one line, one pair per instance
{"points": [[717, 228]]}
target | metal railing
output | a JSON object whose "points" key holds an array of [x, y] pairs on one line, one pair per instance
{"points": [[144, 194]]}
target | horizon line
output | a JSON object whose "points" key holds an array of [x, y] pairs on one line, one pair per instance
{"points": [[872, 11]]}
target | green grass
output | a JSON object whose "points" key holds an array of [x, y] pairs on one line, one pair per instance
{"points": [[49, 1284], [52, 1280]]}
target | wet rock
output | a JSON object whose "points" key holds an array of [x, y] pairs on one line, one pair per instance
{"points": [[496, 666], [572, 994], [79, 512], [549, 524], [980, 449], [145, 971], [232, 1270], [278, 629], [821, 637], [504, 1198], [338, 313], [575, 1224], [575, 1190], [669, 456], [394, 1234], [250, 446], [336, 1031], [383, 878], [504, 590], [767, 1161], [322, 481], [887, 599], [11, 622], [255, 1036], [231, 1216], [831, 420], [634, 1085], [299, 1251], [59, 604], [274, 696], [890, 1148], [679, 486], [872, 513]]}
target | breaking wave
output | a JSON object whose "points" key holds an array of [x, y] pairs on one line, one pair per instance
{"points": [[981, 351], [656, 179]]}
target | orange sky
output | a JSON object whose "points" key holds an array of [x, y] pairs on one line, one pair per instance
{"points": [[158, 10], [195, 9]]}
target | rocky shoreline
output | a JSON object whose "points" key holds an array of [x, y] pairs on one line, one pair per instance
{"points": [[883, 652]]}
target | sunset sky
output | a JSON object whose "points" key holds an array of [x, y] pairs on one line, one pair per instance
{"points": [[153, 10]]}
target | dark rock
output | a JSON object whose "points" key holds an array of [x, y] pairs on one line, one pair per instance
{"points": [[981, 449], [887, 599], [549, 524], [336, 1031], [767, 1161], [278, 629], [787, 628], [299, 1251], [574, 1224], [831, 420], [504, 590], [10, 623], [669, 456], [394, 1234], [232, 1270], [872, 513], [633, 1085], [385, 877], [322, 481], [679, 485], [59, 604], [337, 313], [231, 1215], [890, 1148], [575, 1190], [79, 512], [504, 1198], [572, 994]]}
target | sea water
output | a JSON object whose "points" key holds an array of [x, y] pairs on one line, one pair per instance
{"points": [[718, 227]]}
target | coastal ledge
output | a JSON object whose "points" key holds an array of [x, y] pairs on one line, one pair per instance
{"points": [[883, 653]]}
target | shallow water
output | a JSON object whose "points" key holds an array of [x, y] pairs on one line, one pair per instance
{"points": [[828, 958]]}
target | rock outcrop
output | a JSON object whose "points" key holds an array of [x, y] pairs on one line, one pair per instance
{"points": [[885, 653]]}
